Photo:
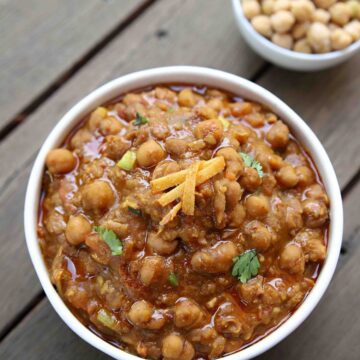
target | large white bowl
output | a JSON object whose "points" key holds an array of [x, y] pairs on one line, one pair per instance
{"points": [[192, 75], [287, 58]]}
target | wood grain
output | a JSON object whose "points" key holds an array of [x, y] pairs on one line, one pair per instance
{"points": [[40, 40], [134, 49]]}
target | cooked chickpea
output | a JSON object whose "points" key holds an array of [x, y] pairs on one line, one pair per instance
{"points": [[303, 10], [268, 6], [353, 28], [305, 176], [187, 98], [175, 347], [324, 4], [250, 179], [278, 135], [258, 235], [234, 162], [257, 206], [211, 131], [292, 259], [188, 314], [321, 15], [340, 39], [282, 5], [77, 229], [251, 8], [262, 25], [207, 112], [140, 313], [302, 46], [152, 269], [283, 40], [287, 177], [354, 6], [299, 30], [60, 161], [176, 147], [318, 37], [97, 195], [282, 21], [315, 213], [340, 13], [161, 246], [110, 126], [149, 154]]}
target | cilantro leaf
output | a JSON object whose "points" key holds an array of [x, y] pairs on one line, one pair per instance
{"points": [[111, 239], [135, 211], [250, 162], [140, 120], [173, 280], [246, 266]]}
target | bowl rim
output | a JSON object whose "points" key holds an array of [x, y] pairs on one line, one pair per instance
{"points": [[291, 54], [191, 75]]}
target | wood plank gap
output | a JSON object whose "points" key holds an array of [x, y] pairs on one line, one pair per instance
{"points": [[261, 72], [62, 79], [350, 185], [19, 318]]}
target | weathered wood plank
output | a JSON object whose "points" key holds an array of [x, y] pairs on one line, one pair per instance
{"points": [[330, 333], [127, 53], [40, 40], [329, 102]]}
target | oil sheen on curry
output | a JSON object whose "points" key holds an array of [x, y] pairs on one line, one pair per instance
{"points": [[182, 222]]}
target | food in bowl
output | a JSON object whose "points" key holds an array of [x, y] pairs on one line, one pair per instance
{"points": [[306, 26], [182, 222]]}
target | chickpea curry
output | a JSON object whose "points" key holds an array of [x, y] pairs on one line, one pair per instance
{"points": [[182, 222]]}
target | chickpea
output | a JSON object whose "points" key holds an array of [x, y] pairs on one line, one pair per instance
{"points": [[161, 246], [268, 6], [283, 40], [237, 216], [110, 126], [282, 21], [77, 229], [324, 4], [240, 109], [115, 147], [251, 8], [292, 259], [140, 313], [262, 25], [321, 15], [100, 250], [175, 347], [234, 162], [176, 147], [250, 179], [207, 112], [96, 117], [80, 138], [302, 46], [303, 10], [211, 131], [315, 213], [165, 168], [257, 206], [186, 98], [353, 28], [282, 5], [299, 30], [215, 104], [340, 39], [188, 314], [318, 37], [340, 13], [149, 154], [354, 6], [97, 195], [151, 270], [60, 161], [305, 175], [316, 191], [287, 177], [278, 135], [258, 235]]}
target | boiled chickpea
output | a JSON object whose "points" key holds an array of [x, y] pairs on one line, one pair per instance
{"points": [[187, 98], [251, 8], [315, 213], [299, 30], [340, 13], [211, 131], [340, 39], [151, 270], [292, 259], [283, 40], [234, 162], [303, 10], [140, 313], [77, 229], [262, 25], [321, 15], [282, 21], [353, 28], [110, 126], [354, 6], [176, 147], [268, 6], [305, 176], [250, 179], [175, 347], [287, 177], [278, 135], [258, 235], [60, 161], [302, 46], [188, 314], [257, 206], [282, 5], [325, 4], [318, 37], [149, 154], [97, 195], [161, 246]]}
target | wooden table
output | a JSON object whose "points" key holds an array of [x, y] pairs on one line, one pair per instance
{"points": [[54, 52]]}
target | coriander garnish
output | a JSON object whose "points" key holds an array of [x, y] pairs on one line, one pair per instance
{"points": [[140, 120], [173, 280], [111, 239], [250, 162], [246, 266], [135, 211]]}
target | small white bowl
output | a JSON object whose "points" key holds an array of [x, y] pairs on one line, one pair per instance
{"points": [[191, 75], [287, 58]]}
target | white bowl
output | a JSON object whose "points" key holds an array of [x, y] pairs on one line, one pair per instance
{"points": [[192, 75], [287, 58]]}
